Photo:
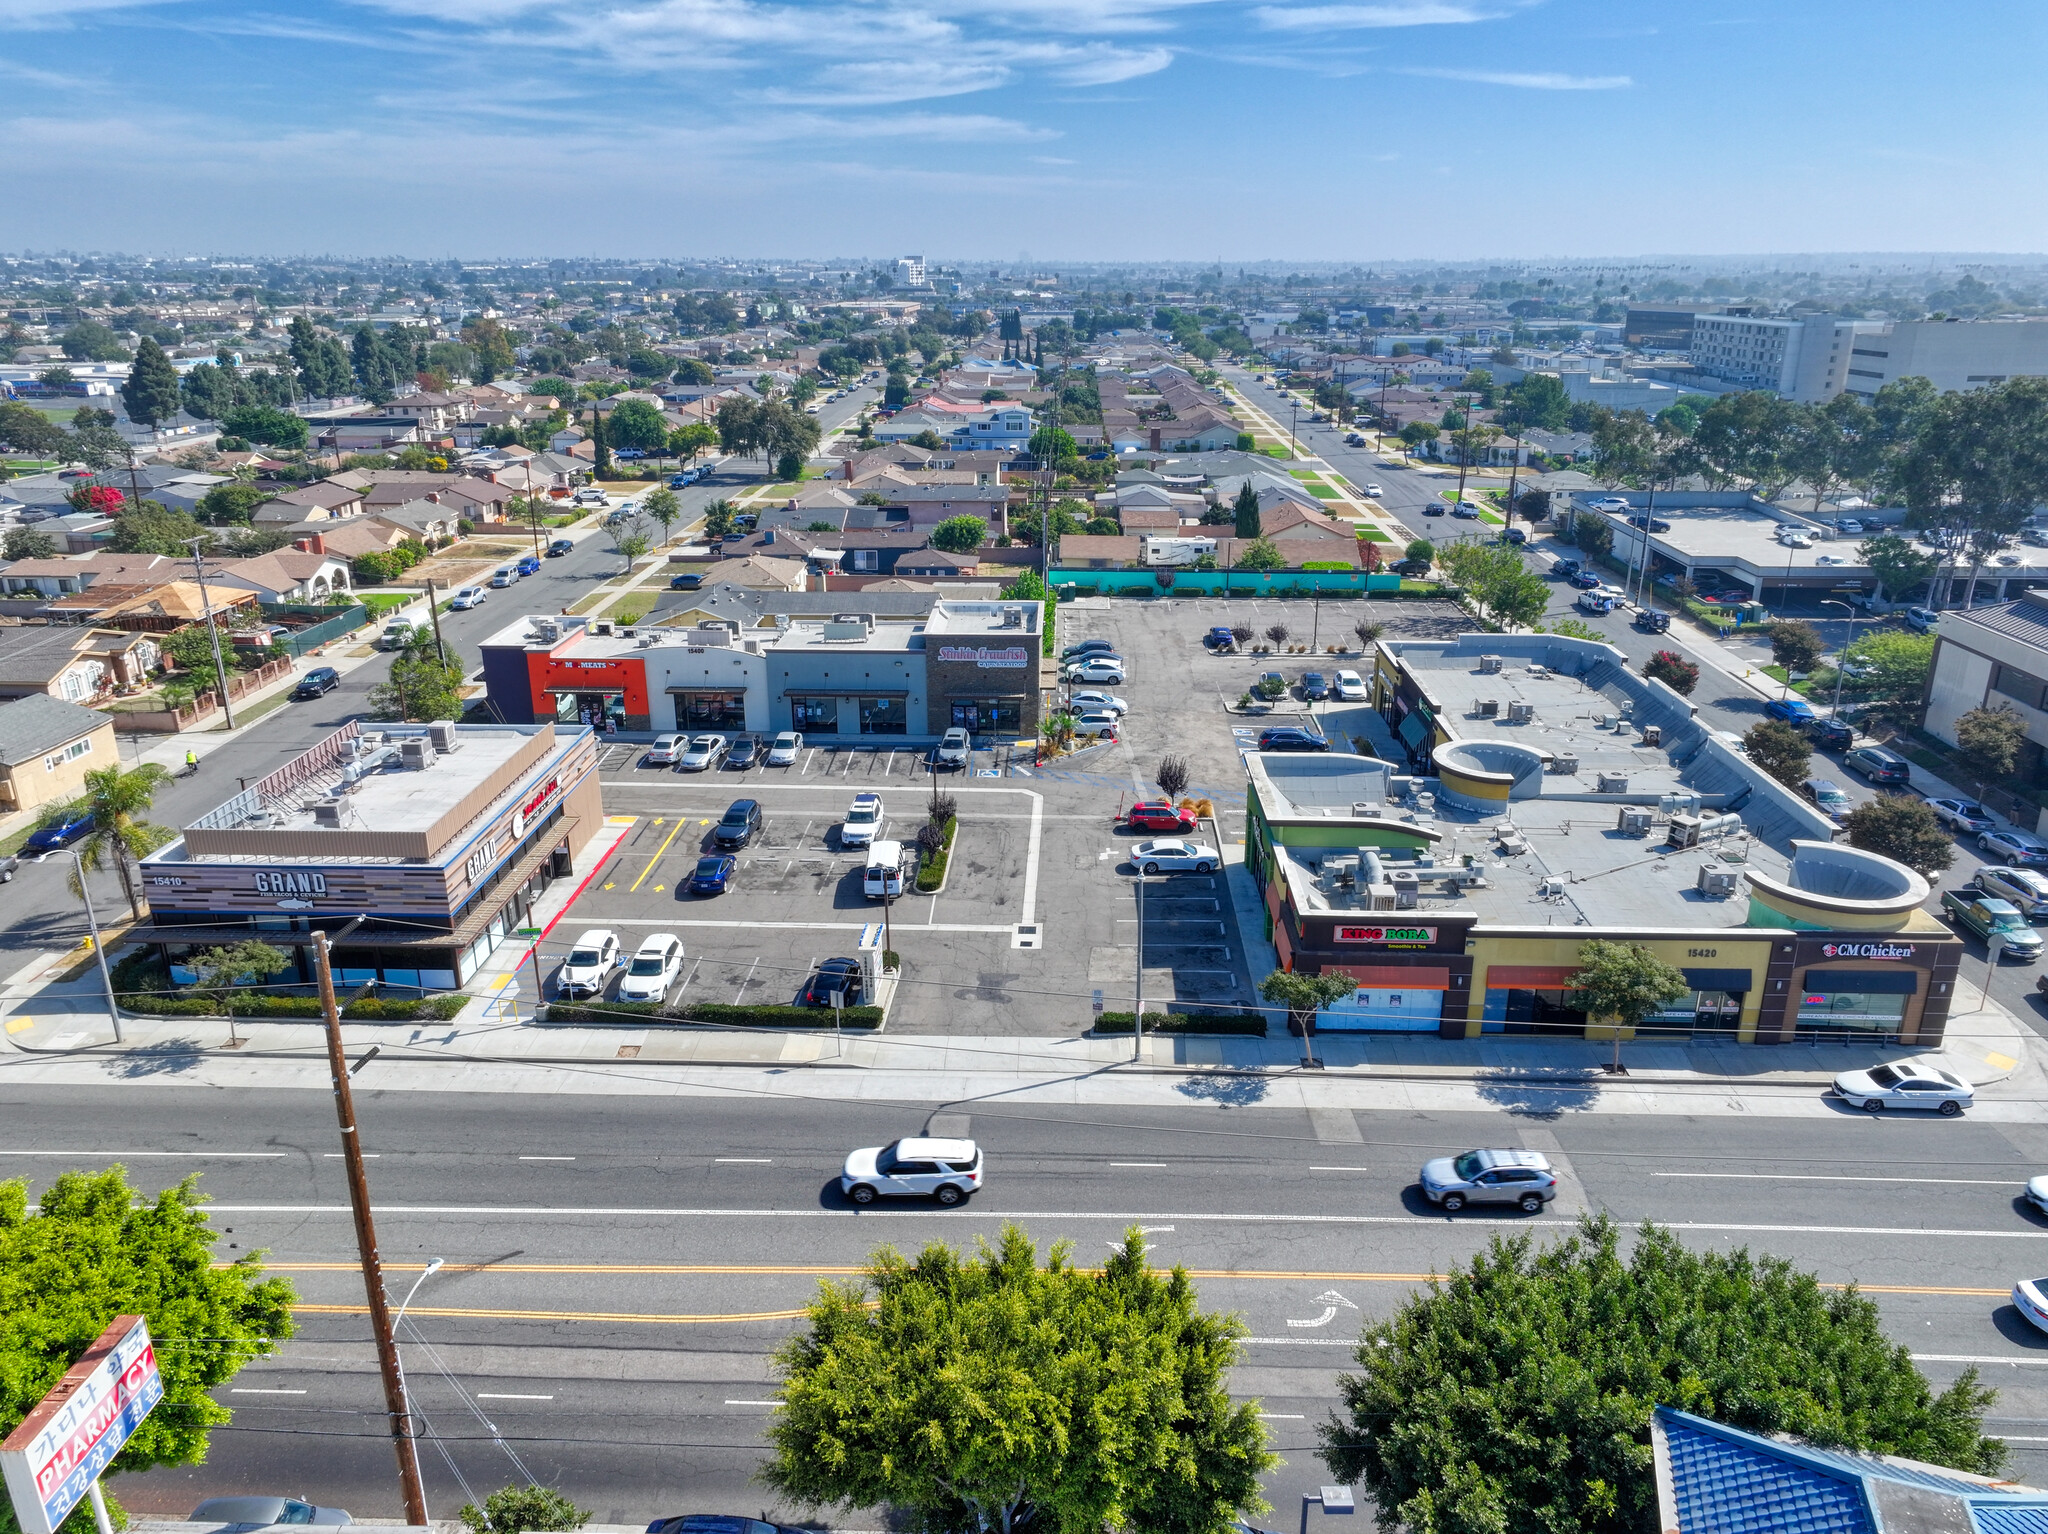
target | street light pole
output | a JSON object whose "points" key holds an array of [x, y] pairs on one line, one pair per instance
{"points": [[1841, 654], [99, 949]]}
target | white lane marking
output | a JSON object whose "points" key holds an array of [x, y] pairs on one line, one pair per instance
{"points": [[956, 1215], [1306, 1342], [753, 1403], [547, 1158], [1943, 1182], [1031, 860], [742, 1161], [1980, 1358], [1138, 1163], [1340, 1169], [137, 1155], [1329, 1314], [1284, 1416], [491, 1395], [251, 1390]]}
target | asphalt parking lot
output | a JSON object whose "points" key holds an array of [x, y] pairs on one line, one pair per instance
{"points": [[1038, 848]]}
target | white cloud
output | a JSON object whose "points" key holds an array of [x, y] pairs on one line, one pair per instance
{"points": [[57, 13], [1528, 82], [1340, 18]]}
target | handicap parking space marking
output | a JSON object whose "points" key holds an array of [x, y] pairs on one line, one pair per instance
{"points": [[987, 772]]}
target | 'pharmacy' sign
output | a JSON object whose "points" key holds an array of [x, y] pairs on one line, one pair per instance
{"points": [[67, 1442]]}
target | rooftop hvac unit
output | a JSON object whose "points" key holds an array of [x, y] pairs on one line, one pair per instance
{"points": [[327, 813], [1564, 764], [442, 733], [1520, 712], [261, 819], [1601, 721], [1013, 617], [1653, 735], [1369, 811], [1489, 665], [1635, 820], [417, 754], [603, 627], [1407, 886], [546, 630], [1550, 887], [1536, 670], [1487, 708], [1612, 783], [1718, 882]]}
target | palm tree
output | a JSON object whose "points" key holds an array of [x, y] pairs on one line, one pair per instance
{"points": [[117, 798]]}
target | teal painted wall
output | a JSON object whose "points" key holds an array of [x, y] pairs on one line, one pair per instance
{"points": [[1186, 582]]}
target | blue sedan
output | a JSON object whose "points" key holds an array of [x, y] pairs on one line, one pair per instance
{"points": [[714, 874], [1791, 710]]}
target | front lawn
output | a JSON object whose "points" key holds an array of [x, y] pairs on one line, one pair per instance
{"points": [[381, 602], [1324, 492]]}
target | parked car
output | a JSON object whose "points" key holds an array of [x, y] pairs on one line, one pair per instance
{"points": [[1565, 568], [2030, 1295], [505, 575], [1517, 1177], [261, 1512], [1848, 525], [1596, 602], [1908, 1084], [1221, 640], [2024, 889], [317, 682], [1372, 489], [1086, 647], [689, 580], [1921, 620], [1831, 734], [1585, 580], [8, 864], [1792, 540], [1651, 621], [1314, 686], [1097, 726], [1287, 738], [1829, 796], [530, 565], [397, 634], [1791, 710], [884, 877], [1466, 510], [2013, 847], [1350, 687], [1988, 916], [863, 821], [1098, 668], [560, 547], [590, 963], [783, 752], [1608, 503], [703, 753], [746, 752], [956, 746], [653, 969], [58, 834], [665, 750], [590, 495], [1433, 509], [1100, 703], [468, 597], [1170, 855], [713, 874], [1159, 815], [1654, 524], [743, 819], [1879, 765], [840, 976], [947, 1170]]}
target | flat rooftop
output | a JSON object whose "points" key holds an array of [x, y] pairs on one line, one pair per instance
{"points": [[984, 618], [1725, 538]]}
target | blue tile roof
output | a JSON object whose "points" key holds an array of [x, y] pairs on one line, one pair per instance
{"points": [[1728, 1485], [1992, 1519], [1904, 1471]]}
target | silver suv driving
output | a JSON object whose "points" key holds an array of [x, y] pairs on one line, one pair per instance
{"points": [[1489, 1177]]}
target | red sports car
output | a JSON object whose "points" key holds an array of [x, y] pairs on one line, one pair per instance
{"points": [[1159, 815]]}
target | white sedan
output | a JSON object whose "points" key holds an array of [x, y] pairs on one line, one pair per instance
{"points": [[1350, 687], [665, 750], [1097, 671], [705, 752], [1169, 855], [2037, 1193], [468, 597], [2030, 1299], [1909, 1084], [783, 752], [1372, 488], [1100, 703]]}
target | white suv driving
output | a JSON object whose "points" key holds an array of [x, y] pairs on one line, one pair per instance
{"points": [[947, 1170]]}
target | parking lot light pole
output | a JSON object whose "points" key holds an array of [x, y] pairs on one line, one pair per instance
{"points": [[1138, 1017], [1841, 653]]}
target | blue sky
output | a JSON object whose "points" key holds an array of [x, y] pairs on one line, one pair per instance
{"points": [[1367, 130]]}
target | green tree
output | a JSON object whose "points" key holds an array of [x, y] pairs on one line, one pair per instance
{"points": [[1623, 983], [267, 424], [1903, 830], [27, 543], [24, 429], [719, 517], [1832, 444], [151, 392], [638, 425], [1245, 512], [560, 390], [1051, 444], [600, 440], [1262, 553], [422, 684], [224, 971], [119, 799], [1796, 644], [1416, 433], [1305, 995], [1978, 465], [1575, 628], [1779, 750], [1898, 566], [231, 504], [491, 347], [997, 1395], [662, 506], [1990, 738], [518, 1509], [90, 341], [959, 535], [1422, 549], [95, 1248], [1674, 671], [153, 528], [686, 442], [1747, 437], [1514, 1396], [192, 648], [1892, 664]]}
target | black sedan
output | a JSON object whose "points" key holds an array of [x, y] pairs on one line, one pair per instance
{"points": [[1286, 738], [689, 580], [834, 975], [321, 679]]}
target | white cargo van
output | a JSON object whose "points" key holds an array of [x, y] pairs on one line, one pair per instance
{"points": [[884, 876]]}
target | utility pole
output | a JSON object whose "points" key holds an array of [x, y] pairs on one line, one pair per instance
{"points": [[434, 617], [1138, 1017], [212, 630], [99, 949], [395, 1407]]}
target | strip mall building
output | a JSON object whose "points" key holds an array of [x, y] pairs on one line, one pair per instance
{"points": [[1551, 796]]}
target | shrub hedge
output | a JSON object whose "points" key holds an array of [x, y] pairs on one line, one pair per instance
{"points": [[371, 1009], [933, 873], [1248, 1023]]}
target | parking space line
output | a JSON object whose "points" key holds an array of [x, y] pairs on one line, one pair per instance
{"points": [[681, 821], [749, 980]]}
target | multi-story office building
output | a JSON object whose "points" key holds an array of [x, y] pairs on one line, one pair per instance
{"points": [[1951, 354]]}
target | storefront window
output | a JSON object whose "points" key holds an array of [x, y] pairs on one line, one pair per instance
{"points": [[711, 710], [994, 716], [1860, 1012], [883, 716], [1520, 1011], [819, 716]]}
